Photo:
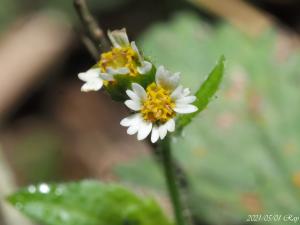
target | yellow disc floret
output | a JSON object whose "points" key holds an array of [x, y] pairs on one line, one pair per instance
{"points": [[118, 58], [158, 107]]}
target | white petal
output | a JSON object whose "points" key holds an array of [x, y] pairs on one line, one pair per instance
{"points": [[160, 74], [139, 90], [106, 76], [134, 105], [170, 125], [186, 100], [174, 81], [92, 85], [90, 74], [144, 130], [135, 48], [186, 92], [145, 68], [121, 70], [154, 134], [185, 108], [133, 129], [135, 124], [118, 38], [177, 93], [165, 78], [131, 94], [145, 65], [128, 121], [162, 131]]}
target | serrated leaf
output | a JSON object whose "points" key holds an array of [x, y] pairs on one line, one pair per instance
{"points": [[86, 203], [204, 94]]}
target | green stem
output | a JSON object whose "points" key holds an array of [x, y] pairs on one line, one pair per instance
{"points": [[170, 176]]}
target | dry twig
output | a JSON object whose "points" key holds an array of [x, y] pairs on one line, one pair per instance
{"points": [[90, 46], [94, 31]]}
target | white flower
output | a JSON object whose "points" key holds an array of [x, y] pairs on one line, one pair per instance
{"points": [[92, 80], [124, 58], [157, 106]]}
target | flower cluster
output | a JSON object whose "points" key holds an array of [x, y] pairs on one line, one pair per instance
{"points": [[156, 104]]}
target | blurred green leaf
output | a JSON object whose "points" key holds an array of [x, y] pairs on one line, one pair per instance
{"points": [[206, 91], [133, 173], [87, 203]]}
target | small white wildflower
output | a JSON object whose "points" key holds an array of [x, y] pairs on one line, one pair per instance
{"points": [[157, 106], [124, 58]]}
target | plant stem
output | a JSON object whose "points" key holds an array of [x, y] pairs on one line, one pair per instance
{"points": [[94, 31], [170, 176], [92, 49]]}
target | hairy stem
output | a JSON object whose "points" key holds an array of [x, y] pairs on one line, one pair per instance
{"points": [[181, 179], [171, 181]]}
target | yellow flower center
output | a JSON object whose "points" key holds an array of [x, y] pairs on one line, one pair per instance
{"points": [[158, 107], [118, 58]]}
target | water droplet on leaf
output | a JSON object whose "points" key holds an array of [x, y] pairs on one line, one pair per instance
{"points": [[32, 189], [44, 188]]}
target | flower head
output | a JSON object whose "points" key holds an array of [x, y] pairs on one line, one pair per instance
{"points": [[157, 106], [124, 57]]}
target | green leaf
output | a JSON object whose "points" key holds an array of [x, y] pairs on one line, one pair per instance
{"points": [[86, 203], [204, 94]]}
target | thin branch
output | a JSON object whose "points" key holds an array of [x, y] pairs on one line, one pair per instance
{"points": [[95, 33], [90, 46]]}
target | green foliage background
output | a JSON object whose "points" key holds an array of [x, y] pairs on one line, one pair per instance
{"points": [[242, 153]]}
